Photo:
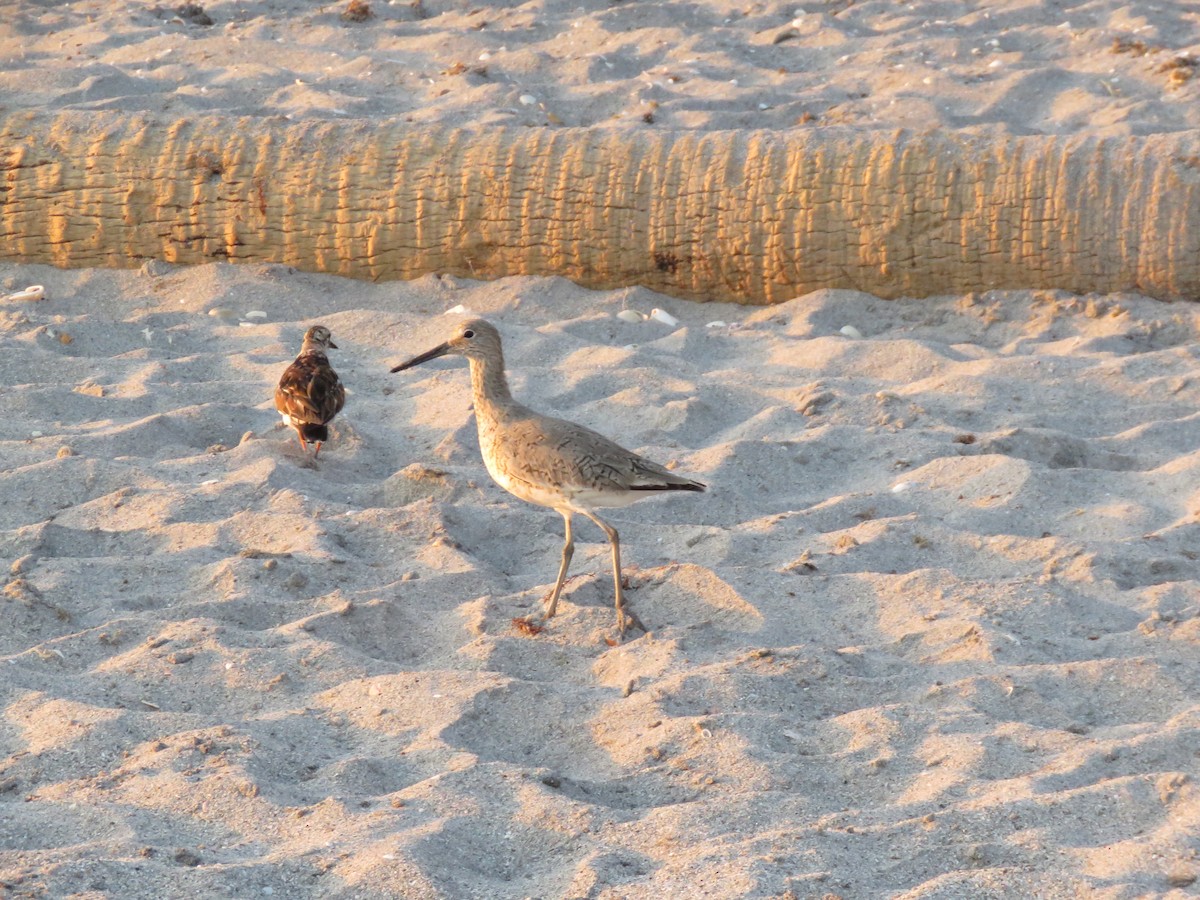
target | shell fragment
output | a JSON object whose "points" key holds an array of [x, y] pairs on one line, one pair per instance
{"points": [[660, 315], [33, 292]]}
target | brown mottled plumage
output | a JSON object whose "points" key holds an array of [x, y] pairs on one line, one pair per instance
{"points": [[548, 461], [309, 394]]}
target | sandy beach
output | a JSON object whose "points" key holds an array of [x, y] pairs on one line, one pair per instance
{"points": [[1099, 66], [932, 632]]}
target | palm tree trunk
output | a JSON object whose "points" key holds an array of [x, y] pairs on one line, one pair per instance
{"points": [[753, 217]]}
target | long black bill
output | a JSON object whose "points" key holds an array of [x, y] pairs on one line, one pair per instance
{"points": [[440, 350]]}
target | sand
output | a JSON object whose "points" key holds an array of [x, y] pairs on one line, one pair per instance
{"points": [[982, 66], [932, 633]]}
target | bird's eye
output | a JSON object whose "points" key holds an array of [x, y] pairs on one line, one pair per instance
{"points": [[468, 334]]}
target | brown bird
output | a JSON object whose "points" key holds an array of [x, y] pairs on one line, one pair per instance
{"points": [[548, 461], [309, 394]]}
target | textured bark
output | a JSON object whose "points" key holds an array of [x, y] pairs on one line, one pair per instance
{"points": [[747, 216]]}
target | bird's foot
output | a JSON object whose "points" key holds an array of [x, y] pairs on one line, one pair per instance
{"points": [[626, 618]]}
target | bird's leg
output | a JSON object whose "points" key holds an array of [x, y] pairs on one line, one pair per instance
{"points": [[303, 442], [318, 450], [625, 616], [568, 551]]}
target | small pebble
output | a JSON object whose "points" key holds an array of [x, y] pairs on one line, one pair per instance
{"points": [[155, 268], [630, 315], [528, 99], [850, 331]]}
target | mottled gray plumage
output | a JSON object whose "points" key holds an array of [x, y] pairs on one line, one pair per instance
{"points": [[549, 461], [309, 393]]}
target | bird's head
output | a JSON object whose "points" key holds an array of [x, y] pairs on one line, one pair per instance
{"points": [[318, 338], [472, 338]]}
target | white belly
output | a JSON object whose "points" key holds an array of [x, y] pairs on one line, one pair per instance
{"points": [[531, 493]]}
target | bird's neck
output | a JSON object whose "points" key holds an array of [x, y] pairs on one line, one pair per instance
{"points": [[490, 387]]}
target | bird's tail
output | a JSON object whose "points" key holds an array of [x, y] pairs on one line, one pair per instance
{"points": [[687, 486], [313, 433], [683, 484]]}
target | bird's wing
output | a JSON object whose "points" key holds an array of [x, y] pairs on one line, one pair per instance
{"points": [[575, 457], [310, 391]]}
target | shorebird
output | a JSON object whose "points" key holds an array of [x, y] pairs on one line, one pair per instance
{"points": [[551, 462], [309, 393]]}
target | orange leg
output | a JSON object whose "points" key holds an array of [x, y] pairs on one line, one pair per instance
{"points": [[303, 443], [318, 450]]}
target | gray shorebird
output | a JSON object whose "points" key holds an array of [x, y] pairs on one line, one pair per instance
{"points": [[309, 393], [548, 461]]}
